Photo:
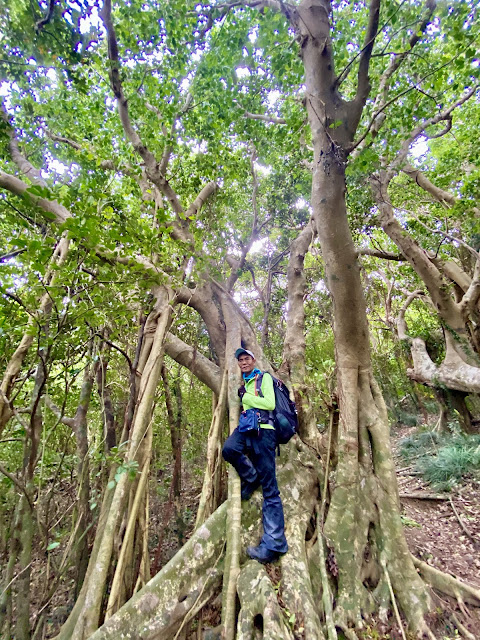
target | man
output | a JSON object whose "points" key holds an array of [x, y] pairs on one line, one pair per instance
{"points": [[258, 467]]}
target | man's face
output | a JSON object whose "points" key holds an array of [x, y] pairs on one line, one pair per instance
{"points": [[246, 363]]}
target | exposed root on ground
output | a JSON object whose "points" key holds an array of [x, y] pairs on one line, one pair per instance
{"points": [[448, 584], [297, 603]]}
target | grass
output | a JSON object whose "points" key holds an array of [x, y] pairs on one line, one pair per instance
{"points": [[442, 459]]}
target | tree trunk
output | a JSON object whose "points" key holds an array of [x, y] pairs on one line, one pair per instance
{"points": [[109, 422], [364, 509], [85, 616], [44, 309]]}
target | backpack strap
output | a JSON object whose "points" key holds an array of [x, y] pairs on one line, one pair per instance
{"points": [[258, 384]]}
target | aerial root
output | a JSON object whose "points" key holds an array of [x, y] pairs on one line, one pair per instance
{"points": [[259, 605], [446, 583]]}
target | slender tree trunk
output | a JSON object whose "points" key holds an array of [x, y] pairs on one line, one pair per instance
{"points": [[109, 422], [209, 499], [6, 604], [232, 559], [85, 616], [176, 439], [82, 515], [294, 344], [16, 361]]}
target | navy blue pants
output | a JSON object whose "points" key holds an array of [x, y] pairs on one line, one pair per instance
{"points": [[259, 465]]}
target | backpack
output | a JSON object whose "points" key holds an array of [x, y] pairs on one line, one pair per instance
{"points": [[285, 419]]}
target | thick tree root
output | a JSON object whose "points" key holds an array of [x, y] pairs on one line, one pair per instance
{"points": [[447, 584], [261, 612], [178, 591]]}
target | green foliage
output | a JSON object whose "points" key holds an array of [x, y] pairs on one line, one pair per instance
{"points": [[452, 462], [408, 522], [442, 459], [419, 444]]}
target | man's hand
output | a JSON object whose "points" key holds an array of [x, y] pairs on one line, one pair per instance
{"points": [[241, 391]]}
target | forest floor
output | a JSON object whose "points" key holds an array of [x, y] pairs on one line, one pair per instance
{"points": [[442, 529]]}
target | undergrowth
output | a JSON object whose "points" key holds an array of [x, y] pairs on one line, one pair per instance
{"points": [[442, 459]]}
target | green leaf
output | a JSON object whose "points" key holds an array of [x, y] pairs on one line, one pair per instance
{"points": [[53, 545]]}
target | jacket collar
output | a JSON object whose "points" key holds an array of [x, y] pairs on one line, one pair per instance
{"points": [[249, 376]]}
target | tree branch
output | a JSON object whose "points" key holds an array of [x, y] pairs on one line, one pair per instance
{"points": [[116, 84], [363, 81], [19, 188], [200, 200], [444, 115], [402, 329], [24, 165], [471, 297], [61, 214], [384, 255], [258, 116], [275, 5], [395, 62], [475, 253], [17, 483], [12, 254], [444, 197], [201, 367], [58, 413], [48, 16]]}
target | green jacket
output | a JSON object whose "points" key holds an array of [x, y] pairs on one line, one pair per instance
{"points": [[252, 401]]}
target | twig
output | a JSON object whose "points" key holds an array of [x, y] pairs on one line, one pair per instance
{"points": [[475, 541], [475, 253], [16, 578], [423, 496], [392, 597], [17, 483]]}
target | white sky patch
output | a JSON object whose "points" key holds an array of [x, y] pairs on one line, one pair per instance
{"points": [[199, 147], [242, 72], [273, 96], [252, 36], [301, 203], [420, 148], [6, 89], [185, 84], [262, 169], [321, 286], [56, 166], [92, 20], [258, 245]]}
